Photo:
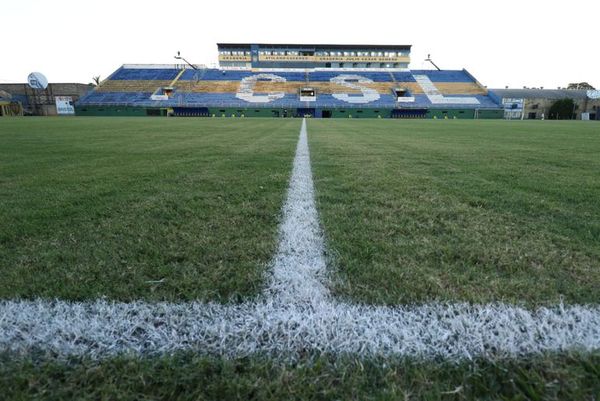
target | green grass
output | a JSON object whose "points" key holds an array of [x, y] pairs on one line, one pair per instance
{"points": [[181, 209], [191, 377], [140, 208], [477, 211]]}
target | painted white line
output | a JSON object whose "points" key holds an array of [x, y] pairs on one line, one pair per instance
{"points": [[299, 265], [296, 314], [455, 331]]}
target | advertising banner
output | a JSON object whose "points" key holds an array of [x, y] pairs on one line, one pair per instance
{"points": [[64, 105]]}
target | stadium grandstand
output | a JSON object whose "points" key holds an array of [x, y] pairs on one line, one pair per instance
{"points": [[268, 80]]}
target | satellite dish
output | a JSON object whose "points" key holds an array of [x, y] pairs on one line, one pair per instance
{"points": [[37, 80]]}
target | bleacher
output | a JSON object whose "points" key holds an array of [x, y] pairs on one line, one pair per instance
{"points": [[206, 88], [144, 74]]}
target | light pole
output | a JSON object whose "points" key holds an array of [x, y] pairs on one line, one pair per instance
{"points": [[178, 57], [431, 61]]}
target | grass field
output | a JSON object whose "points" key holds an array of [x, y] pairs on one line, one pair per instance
{"points": [[188, 209], [191, 377], [460, 210], [134, 209]]}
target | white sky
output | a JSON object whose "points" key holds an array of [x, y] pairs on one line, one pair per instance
{"points": [[511, 42]]}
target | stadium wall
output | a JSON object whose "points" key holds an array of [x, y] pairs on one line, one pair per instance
{"points": [[118, 111], [536, 103], [42, 102], [229, 112]]}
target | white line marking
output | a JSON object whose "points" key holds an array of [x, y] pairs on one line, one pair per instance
{"points": [[299, 268], [296, 315]]}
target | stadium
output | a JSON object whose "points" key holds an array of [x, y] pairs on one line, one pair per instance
{"points": [[304, 221], [284, 80]]}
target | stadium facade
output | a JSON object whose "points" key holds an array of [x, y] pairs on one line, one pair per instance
{"points": [[286, 80]]}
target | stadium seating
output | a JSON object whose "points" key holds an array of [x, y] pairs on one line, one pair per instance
{"points": [[144, 74], [326, 76], [131, 85], [134, 86], [444, 76]]}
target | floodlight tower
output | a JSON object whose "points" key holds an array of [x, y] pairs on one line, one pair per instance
{"points": [[178, 57], [431, 61]]}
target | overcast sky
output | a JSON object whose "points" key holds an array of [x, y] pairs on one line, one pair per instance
{"points": [[515, 43]]}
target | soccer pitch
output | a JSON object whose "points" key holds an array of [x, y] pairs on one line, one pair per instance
{"points": [[434, 213], [460, 210], [144, 209]]}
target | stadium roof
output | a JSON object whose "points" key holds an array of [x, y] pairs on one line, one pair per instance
{"points": [[541, 93], [315, 46]]}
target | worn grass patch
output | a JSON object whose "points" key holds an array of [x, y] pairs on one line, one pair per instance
{"points": [[478, 211], [190, 377], [140, 208]]}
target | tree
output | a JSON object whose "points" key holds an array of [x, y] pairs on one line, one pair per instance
{"points": [[581, 85], [562, 109], [96, 80]]}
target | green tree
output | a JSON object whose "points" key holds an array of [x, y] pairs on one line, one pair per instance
{"points": [[562, 109], [580, 85]]}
